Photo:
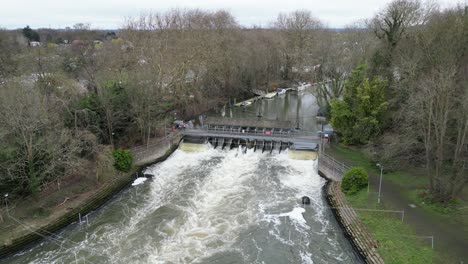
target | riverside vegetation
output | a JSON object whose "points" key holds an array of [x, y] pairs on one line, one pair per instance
{"points": [[395, 84]]}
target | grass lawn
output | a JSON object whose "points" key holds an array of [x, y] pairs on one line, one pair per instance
{"points": [[410, 184], [455, 213], [411, 179], [397, 242]]}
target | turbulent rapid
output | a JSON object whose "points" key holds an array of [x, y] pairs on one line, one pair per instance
{"points": [[210, 206]]}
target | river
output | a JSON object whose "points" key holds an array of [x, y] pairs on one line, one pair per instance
{"points": [[213, 206]]}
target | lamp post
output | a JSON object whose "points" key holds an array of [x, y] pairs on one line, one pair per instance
{"points": [[320, 133], [6, 201], [380, 182]]}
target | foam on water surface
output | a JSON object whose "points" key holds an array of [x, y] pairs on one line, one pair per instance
{"points": [[139, 181], [210, 206], [296, 215]]}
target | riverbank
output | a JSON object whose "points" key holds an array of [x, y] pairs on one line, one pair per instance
{"points": [[354, 228], [422, 224], [356, 231], [20, 232]]}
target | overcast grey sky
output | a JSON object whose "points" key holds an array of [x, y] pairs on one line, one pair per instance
{"points": [[111, 14]]}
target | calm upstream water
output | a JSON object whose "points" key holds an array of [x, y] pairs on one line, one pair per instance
{"points": [[300, 109], [212, 206]]}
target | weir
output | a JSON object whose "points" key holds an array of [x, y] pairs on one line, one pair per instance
{"points": [[264, 135], [201, 203]]}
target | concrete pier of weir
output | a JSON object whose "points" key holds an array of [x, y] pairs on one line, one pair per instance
{"points": [[268, 134]]}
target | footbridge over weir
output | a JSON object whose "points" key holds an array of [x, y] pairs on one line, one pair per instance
{"points": [[264, 135]]}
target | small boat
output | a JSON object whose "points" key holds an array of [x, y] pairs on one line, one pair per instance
{"points": [[269, 95], [303, 86], [280, 91]]}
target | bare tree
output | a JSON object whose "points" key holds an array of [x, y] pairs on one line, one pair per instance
{"points": [[436, 111], [9, 47], [41, 150], [391, 26], [392, 23], [298, 29]]}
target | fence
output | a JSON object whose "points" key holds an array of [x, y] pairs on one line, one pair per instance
{"points": [[360, 236], [150, 152], [256, 132], [331, 168]]}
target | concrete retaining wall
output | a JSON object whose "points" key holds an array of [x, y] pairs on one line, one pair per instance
{"points": [[353, 227], [358, 233], [144, 155]]}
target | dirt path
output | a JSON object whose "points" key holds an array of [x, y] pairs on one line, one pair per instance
{"points": [[450, 241]]}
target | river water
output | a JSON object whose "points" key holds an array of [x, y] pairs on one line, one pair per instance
{"points": [[300, 109], [213, 206]]}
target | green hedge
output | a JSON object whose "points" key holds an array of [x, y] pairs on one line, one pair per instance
{"points": [[123, 160], [354, 180]]}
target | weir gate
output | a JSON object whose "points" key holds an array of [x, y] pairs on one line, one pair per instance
{"points": [[262, 135]]}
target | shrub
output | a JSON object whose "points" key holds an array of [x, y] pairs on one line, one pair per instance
{"points": [[354, 180], [123, 160]]}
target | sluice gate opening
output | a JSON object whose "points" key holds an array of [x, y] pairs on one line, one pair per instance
{"points": [[231, 143], [259, 135]]}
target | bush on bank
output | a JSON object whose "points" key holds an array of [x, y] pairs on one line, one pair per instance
{"points": [[123, 160], [354, 180]]}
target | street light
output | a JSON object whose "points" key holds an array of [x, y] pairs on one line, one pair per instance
{"points": [[6, 201], [320, 133], [380, 182]]}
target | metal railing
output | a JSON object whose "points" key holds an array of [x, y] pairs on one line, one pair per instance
{"points": [[253, 132], [331, 167], [333, 162], [157, 142]]}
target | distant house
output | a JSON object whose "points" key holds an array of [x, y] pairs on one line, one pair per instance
{"points": [[34, 44], [77, 43]]}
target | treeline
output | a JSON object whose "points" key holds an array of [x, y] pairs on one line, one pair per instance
{"points": [[62, 104], [396, 83], [410, 103]]}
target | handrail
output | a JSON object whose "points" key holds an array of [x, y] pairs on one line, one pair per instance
{"points": [[158, 142], [256, 132], [333, 164]]}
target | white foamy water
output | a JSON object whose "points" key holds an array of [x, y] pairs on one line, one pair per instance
{"points": [[213, 206], [139, 181], [215, 214], [296, 215]]}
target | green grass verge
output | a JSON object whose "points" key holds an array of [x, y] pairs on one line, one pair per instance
{"points": [[409, 179], [412, 180], [454, 213], [397, 242], [450, 210]]}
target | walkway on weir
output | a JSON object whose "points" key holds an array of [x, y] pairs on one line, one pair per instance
{"points": [[250, 130]]}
